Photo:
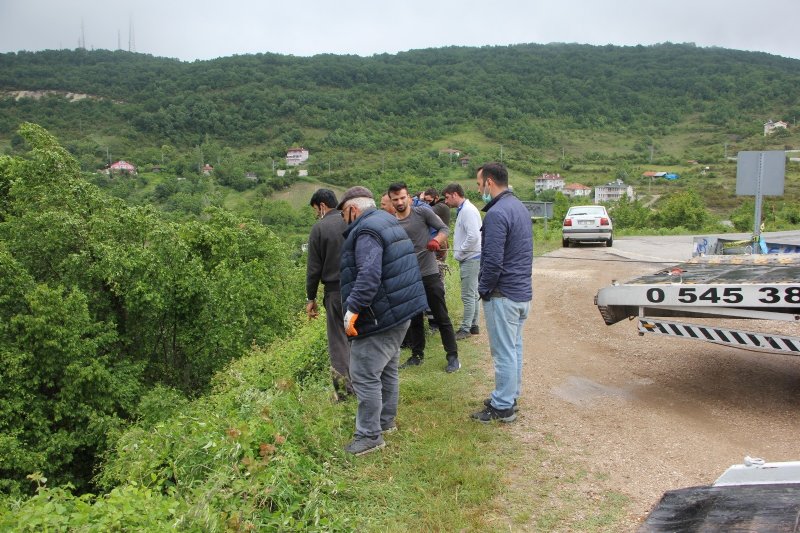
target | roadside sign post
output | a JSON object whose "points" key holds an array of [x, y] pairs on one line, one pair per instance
{"points": [[759, 174], [540, 210]]}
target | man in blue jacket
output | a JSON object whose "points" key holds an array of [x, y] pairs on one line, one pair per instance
{"points": [[504, 285], [381, 290]]}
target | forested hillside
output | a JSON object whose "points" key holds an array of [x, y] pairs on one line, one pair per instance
{"points": [[527, 95]]}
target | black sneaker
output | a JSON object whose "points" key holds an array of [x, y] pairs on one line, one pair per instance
{"points": [[364, 445], [490, 413], [453, 365], [414, 360], [462, 334], [488, 402], [475, 330]]}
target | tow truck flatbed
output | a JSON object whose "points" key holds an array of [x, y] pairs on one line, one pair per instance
{"points": [[765, 287]]}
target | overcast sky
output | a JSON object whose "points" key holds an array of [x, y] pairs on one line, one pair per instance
{"points": [[207, 29]]}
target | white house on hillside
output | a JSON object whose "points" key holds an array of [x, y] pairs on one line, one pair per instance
{"points": [[612, 192], [121, 167], [547, 182], [576, 190], [770, 126], [296, 156]]}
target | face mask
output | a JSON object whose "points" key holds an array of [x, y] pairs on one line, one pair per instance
{"points": [[485, 193]]}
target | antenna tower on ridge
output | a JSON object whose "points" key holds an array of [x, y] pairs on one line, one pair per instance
{"points": [[82, 40], [131, 37]]}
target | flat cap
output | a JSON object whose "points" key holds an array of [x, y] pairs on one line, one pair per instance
{"points": [[354, 192]]}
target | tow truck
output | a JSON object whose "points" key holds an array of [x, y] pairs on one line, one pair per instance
{"points": [[757, 287], [755, 496]]}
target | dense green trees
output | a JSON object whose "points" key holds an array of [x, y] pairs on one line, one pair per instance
{"points": [[374, 103], [101, 301]]}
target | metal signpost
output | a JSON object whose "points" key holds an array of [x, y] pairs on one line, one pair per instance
{"points": [[540, 210], [759, 174]]}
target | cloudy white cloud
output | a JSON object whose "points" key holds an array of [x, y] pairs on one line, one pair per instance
{"points": [[205, 29]]}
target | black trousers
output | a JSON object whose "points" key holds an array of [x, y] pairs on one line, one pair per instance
{"points": [[434, 292]]}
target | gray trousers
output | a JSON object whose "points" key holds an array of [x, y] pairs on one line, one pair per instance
{"points": [[469, 270], [373, 369], [338, 345]]}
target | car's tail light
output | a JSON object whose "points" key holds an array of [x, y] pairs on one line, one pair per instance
{"points": [[603, 221], [567, 221]]}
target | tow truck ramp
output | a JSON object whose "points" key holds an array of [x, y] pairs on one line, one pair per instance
{"points": [[751, 340]]}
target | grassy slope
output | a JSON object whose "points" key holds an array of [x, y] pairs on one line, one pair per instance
{"points": [[444, 472]]}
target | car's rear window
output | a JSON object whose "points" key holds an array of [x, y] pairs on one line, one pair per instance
{"points": [[589, 210]]}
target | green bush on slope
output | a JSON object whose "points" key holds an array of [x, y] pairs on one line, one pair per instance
{"points": [[252, 455]]}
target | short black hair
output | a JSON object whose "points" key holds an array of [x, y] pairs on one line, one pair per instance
{"points": [[323, 196], [454, 188], [431, 192], [397, 187], [496, 171]]}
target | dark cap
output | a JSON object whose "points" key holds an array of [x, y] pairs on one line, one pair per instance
{"points": [[355, 192]]}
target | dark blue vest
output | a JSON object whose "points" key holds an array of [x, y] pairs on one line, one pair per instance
{"points": [[401, 294]]}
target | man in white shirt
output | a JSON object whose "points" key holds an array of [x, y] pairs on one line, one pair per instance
{"points": [[467, 251]]}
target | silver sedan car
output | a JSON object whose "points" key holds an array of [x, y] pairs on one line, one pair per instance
{"points": [[587, 223]]}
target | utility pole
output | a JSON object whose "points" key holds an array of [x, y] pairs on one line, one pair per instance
{"points": [[501, 153]]}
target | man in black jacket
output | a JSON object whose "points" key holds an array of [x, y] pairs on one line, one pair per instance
{"points": [[324, 253]]}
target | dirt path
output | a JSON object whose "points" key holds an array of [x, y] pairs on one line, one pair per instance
{"points": [[642, 414]]}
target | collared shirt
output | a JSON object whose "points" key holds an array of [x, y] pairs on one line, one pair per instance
{"points": [[467, 235]]}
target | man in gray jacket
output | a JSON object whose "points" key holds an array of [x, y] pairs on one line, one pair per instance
{"points": [[418, 221], [324, 253]]}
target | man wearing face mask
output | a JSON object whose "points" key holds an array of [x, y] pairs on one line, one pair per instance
{"points": [[504, 285], [381, 290], [324, 252]]}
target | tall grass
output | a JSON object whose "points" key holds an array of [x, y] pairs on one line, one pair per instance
{"points": [[264, 452]]}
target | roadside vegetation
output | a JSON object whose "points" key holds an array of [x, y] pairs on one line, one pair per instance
{"points": [[263, 451], [156, 373]]}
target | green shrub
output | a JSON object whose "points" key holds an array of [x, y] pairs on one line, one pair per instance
{"points": [[252, 455], [101, 301]]}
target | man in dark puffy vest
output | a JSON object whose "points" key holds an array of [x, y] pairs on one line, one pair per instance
{"points": [[381, 290]]}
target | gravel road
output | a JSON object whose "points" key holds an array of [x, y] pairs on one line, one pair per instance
{"points": [[643, 414]]}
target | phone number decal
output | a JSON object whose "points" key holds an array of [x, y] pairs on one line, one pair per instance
{"points": [[752, 296]]}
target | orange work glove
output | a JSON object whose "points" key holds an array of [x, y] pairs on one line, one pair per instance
{"points": [[350, 323], [434, 246]]}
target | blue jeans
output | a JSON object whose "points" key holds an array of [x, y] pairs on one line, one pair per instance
{"points": [[373, 371], [469, 270], [504, 321]]}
